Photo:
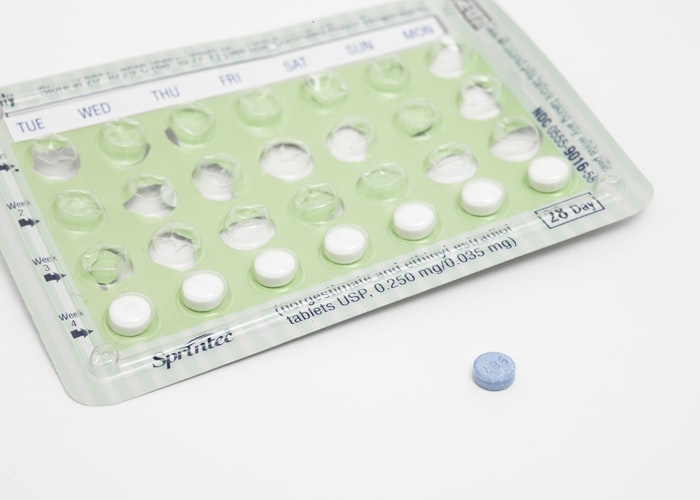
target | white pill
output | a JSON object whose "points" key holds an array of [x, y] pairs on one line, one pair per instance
{"points": [[482, 197], [275, 268], [203, 291], [345, 244], [549, 174], [414, 220], [130, 314]]}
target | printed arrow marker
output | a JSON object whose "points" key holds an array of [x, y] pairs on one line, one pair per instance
{"points": [[54, 277], [4, 167], [27, 222], [82, 333]]}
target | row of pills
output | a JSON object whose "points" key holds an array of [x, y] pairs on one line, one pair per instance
{"points": [[131, 314], [177, 246]]}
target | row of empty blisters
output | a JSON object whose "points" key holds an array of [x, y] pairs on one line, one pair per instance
{"points": [[250, 227]]}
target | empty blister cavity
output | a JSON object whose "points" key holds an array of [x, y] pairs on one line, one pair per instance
{"points": [[150, 195], [515, 139], [104, 359], [247, 228], [418, 118], [260, 108], [446, 59], [55, 157], [549, 174], [388, 76], [203, 291], [131, 314], [124, 141], [609, 184], [351, 140], [317, 204], [275, 268], [385, 182], [480, 97], [175, 246], [216, 177], [414, 220], [483, 197], [345, 244], [191, 125], [451, 164], [78, 210], [107, 264], [287, 159], [325, 90]]}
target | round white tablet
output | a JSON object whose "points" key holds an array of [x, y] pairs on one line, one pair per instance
{"points": [[345, 244], [482, 197], [549, 174], [414, 220], [275, 268], [130, 314], [203, 291]]}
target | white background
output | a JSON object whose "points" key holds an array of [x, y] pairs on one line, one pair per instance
{"points": [[605, 330]]}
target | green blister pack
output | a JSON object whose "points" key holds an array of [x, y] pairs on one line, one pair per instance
{"points": [[193, 208]]}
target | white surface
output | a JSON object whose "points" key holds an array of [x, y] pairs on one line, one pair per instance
{"points": [[482, 197], [150, 196], [518, 140], [605, 330], [548, 174], [345, 244], [288, 160], [452, 164], [448, 59], [170, 249], [414, 220], [216, 176], [203, 291], [349, 144], [480, 97], [249, 235], [130, 314]]}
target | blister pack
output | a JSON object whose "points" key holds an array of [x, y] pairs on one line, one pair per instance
{"points": [[168, 215]]}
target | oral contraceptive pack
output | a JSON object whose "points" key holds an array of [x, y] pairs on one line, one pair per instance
{"points": [[170, 214]]}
